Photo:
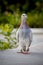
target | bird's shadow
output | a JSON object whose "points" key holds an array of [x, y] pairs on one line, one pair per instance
{"points": [[32, 53], [36, 53]]}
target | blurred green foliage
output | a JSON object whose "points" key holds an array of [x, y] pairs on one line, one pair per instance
{"points": [[4, 45], [6, 28], [7, 42], [34, 20], [10, 12]]}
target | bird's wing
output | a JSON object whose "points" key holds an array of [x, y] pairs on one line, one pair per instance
{"points": [[17, 36], [30, 36]]}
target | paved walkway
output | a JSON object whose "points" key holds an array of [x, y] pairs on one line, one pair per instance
{"points": [[11, 57]]}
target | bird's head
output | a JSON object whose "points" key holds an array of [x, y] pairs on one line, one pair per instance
{"points": [[23, 21], [23, 17]]}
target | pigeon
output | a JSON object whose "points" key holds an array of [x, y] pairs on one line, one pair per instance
{"points": [[24, 35]]}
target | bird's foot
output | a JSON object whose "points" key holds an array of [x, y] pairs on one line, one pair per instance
{"points": [[25, 52]]}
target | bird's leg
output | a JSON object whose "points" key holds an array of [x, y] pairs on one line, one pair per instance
{"points": [[27, 49], [23, 49], [29, 44]]}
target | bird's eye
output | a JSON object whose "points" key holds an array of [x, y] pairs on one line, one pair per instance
{"points": [[23, 15]]}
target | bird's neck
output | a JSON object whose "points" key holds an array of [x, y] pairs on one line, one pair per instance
{"points": [[23, 25]]}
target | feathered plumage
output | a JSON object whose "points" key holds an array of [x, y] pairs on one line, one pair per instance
{"points": [[24, 34]]}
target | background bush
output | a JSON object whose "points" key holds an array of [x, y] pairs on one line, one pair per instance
{"points": [[10, 12], [35, 19]]}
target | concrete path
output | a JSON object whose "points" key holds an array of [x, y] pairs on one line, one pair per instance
{"points": [[11, 57]]}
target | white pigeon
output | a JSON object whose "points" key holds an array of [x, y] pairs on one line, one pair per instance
{"points": [[24, 34]]}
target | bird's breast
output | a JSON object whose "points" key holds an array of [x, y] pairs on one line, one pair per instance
{"points": [[24, 34]]}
